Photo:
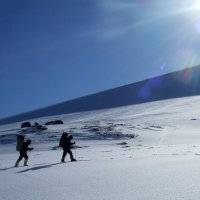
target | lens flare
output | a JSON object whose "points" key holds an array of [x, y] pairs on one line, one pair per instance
{"points": [[144, 92], [155, 82], [163, 66], [185, 77]]}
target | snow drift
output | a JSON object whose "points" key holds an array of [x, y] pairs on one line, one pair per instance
{"points": [[162, 162]]}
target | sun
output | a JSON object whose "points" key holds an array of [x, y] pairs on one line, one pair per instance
{"points": [[194, 5], [197, 3], [191, 7]]}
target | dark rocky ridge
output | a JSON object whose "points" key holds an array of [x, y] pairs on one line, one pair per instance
{"points": [[181, 83]]}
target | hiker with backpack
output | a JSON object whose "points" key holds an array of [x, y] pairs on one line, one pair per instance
{"points": [[23, 148], [66, 144]]}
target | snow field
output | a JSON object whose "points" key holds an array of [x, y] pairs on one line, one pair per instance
{"points": [[162, 162]]}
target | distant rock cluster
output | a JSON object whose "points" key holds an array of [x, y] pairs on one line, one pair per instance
{"points": [[108, 130], [36, 126], [55, 122], [25, 125]]}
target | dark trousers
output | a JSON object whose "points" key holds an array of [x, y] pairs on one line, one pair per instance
{"points": [[65, 153], [23, 155]]}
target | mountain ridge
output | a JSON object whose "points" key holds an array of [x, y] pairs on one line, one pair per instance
{"points": [[176, 84]]}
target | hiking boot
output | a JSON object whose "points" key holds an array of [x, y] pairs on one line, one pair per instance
{"points": [[25, 162], [17, 163], [73, 159]]}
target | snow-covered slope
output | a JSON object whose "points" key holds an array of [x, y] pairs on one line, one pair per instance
{"points": [[141, 152], [173, 85]]}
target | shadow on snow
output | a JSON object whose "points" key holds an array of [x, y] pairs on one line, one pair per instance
{"points": [[39, 167]]}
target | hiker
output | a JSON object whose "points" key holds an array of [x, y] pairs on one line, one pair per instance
{"points": [[23, 153], [66, 144]]}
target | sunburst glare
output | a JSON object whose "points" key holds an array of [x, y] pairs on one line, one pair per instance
{"points": [[185, 36]]}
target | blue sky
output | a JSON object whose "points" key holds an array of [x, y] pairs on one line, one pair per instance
{"points": [[52, 51]]}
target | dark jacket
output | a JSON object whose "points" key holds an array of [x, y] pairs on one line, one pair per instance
{"points": [[68, 144], [25, 148]]}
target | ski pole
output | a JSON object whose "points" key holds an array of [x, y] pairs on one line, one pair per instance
{"points": [[75, 151]]}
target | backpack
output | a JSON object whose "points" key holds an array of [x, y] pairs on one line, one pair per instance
{"points": [[20, 141], [63, 139]]}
